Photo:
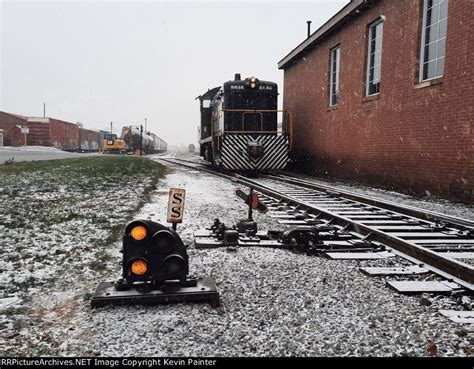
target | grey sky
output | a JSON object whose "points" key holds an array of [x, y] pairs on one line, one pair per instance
{"points": [[97, 62]]}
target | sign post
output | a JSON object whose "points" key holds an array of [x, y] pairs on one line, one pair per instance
{"points": [[25, 131], [176, 206]]}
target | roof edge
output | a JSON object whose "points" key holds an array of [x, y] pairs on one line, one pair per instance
{"points": [[338, 18], [15, 115]]}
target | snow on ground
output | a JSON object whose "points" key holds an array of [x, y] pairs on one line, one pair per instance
{"points": [[273, 302], [29, 153], [56, 223]]}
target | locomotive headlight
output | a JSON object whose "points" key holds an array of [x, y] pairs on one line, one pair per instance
{"points": [[253, 83], [139, 267], [138, 233]]}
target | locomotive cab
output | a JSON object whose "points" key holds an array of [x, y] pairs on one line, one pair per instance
{"points": [[239, 129]]}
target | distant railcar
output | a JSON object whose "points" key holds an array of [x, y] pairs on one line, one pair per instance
{"points": [[148, 142], [191, 149], [53, 132], [159, 145], [88, 140], [239, 126]]}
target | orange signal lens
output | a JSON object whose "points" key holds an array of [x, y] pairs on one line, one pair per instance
{"points": [[139, 267], [138, 233]]}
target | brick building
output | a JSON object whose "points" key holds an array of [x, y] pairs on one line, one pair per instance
{"points": [[42, 132], [383, 94], [10, 123]]}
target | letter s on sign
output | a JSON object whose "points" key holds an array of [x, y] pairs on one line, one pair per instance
{"points": [[177, 198], [176, 205]]}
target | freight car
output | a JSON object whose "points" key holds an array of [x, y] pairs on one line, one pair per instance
{"points": [[53, 132], [159, 145], [239, 126], [88, 140], [150, 142]]}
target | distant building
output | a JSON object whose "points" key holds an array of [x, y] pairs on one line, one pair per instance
{"points": [[42, 131], [9, 123], [1, 137], [383, 93]]}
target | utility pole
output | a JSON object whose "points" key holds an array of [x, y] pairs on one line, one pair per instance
{"points": [[110, 127], [141, 140], [44, 110], [145, 125]]}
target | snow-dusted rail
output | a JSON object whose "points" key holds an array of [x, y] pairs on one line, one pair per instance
{"points": [[437, 241]]}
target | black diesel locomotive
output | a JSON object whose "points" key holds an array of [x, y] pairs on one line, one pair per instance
{"points": [[239, 126]]}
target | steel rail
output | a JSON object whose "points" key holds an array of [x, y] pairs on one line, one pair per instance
{"points": [[422, 214], [457, 271]]}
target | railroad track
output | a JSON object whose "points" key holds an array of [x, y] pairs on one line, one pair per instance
{"points": [[362, 227]]}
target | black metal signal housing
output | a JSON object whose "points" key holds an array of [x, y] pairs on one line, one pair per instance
{"points": [[158, 250], [155, 268]]}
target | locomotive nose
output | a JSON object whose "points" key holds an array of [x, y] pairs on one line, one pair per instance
{"points": [[255, 150]]}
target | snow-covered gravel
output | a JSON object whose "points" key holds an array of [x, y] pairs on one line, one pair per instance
{"points": [[273, 302]]}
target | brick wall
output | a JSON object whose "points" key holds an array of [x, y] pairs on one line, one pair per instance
{"points": [[414, 138], [7, 123]]}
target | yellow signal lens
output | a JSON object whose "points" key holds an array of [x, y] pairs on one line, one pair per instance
{"points": [[138, 233], [139, 267]]}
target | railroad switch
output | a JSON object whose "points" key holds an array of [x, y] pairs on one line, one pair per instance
{"points": [[311, 239]]}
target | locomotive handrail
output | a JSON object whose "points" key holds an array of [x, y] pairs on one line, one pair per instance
{"points": [[260, 111]]}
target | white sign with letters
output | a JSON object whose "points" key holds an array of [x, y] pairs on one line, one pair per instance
{"points": [[176, 205]]}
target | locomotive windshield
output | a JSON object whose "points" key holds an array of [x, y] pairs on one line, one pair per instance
{"points": [[246, 108], [251, 100]]}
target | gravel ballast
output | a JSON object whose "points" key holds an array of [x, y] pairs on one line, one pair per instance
{"points": [[273, 302]]}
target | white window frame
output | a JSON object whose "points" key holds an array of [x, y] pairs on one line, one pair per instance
{"points": [[423, 39], [334, 75], [379, 21]]}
